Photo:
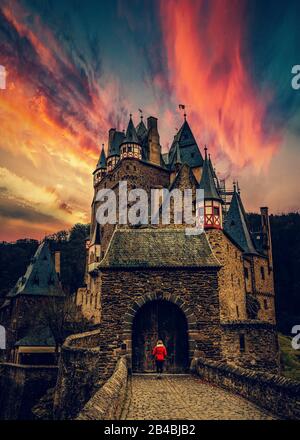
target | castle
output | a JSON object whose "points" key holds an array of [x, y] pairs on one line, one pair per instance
{"points": [[207, 296]]}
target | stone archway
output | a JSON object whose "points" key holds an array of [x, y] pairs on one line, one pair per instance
{"points": [[184, 306], [160, 319]]}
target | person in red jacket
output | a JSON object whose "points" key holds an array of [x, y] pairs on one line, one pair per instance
{"points": [[159, 353]]}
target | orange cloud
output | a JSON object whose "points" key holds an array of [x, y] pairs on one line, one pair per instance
{"points": [[208, 72], [52, 122]]}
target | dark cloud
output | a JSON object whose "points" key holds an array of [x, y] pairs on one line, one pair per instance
{"points": [[12, 209]]}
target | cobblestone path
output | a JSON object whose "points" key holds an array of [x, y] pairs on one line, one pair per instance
{"points": [[185, 397]]}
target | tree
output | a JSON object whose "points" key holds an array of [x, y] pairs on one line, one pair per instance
{"points": [[62, 317]]}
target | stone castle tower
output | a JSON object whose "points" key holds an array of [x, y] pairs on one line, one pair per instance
{"points": [[209, 295]]}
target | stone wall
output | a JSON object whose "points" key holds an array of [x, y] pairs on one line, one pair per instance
{"points": [[21, 386], [275, 393], [107, 403], [264, 288], [194, 290], [261, 350], [231, 276], [78, 374], [138, 174]]}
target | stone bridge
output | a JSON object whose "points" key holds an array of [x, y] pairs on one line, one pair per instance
{"points": [[185, 397], [212, 391]]}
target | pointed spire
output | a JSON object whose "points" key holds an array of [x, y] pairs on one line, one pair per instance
{"points": [[236, 224], [102, 159], [207, 182], [212, 168], [189, 151], [141, 129], [131, 135], [40, 277]]}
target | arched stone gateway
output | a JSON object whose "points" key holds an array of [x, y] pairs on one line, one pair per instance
{"points": [[162, 316], [164, 320]]}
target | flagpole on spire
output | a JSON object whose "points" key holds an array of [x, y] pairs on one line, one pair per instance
{"points": [[182, 107]]}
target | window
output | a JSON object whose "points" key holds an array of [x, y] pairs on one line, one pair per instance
{"points": [[266, 304], [246, 272], [216, 210], [262, 272], [237, 311], [242, 343]]}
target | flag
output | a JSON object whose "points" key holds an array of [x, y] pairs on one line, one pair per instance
{"points": [[181, 106]]}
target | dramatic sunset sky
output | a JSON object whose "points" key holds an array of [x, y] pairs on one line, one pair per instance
{"points": [[76, 68]]}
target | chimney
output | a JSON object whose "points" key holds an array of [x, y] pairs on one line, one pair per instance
{"points": [[111, 134], [152, 123], [57, 262], [153, 141]]}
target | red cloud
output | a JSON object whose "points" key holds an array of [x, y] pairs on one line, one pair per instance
{"points": [[205, 51]]}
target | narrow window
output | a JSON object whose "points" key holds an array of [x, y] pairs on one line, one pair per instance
{"points": [[237, 311], [266, 304], [216, 210], [262, 272], [246, 272], [242, 343]]}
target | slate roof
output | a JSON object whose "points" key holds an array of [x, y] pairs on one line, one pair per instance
{"points": [[165, 158], [131, 135], [189, 151], [207, 182], [37, 338], [158, 248], [40, 277], [236, 225], [114, 144], [102, 160], [141, 130]]}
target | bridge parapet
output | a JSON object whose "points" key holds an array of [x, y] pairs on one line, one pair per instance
{"points": [[107, 403], [273, 392]]}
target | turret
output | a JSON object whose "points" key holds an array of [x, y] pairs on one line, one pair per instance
{"points": [[212, 209], [131, 147], [100, 170], [115, 138], [236, 224]]}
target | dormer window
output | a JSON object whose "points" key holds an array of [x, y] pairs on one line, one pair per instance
{"points": [[212, 214]]}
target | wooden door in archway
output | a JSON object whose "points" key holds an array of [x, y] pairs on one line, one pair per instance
{"points": [[160, 320]]}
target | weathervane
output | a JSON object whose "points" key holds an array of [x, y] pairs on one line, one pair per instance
{"points": [[182, 107]]}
